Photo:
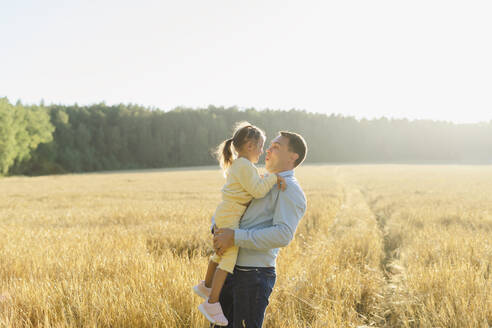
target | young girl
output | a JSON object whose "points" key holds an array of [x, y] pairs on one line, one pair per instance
{"points": [[243, 183]]}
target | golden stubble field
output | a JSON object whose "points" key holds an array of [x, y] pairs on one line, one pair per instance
{"points": [[382, 246]]}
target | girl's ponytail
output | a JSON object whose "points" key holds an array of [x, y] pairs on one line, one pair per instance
{"points": [[224, 154], [227, 151]]}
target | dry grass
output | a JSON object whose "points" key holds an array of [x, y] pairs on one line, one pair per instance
{"points": [[386, 246]]}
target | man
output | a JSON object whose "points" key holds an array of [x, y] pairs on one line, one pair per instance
{"points": [[268, 224]]}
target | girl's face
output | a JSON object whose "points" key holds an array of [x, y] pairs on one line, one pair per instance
{"points": [[255, 149]]}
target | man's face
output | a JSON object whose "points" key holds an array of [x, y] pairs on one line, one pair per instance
{"points": [[278, 157]]}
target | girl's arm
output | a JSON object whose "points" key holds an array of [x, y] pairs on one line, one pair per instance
{"points": [[252, 182]]}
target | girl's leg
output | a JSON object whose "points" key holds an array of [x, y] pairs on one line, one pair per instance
{"points": [[217, 283], [212, 266]]}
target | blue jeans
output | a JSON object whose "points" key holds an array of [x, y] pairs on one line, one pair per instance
{"points": [[245, 294]]}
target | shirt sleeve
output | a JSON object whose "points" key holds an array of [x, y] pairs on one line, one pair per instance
{"points": [[289, 210], [247, 175]]}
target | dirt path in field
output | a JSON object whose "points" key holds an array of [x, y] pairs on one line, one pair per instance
{"points": [[358, 205], [360, 208], [355, 209]]}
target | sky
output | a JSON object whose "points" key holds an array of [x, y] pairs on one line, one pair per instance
{"points": [[415, 59]]}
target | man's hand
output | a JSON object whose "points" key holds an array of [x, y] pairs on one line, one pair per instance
{"points": [[223, 239]]}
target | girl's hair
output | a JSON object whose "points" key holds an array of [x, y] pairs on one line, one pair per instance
{"points": [[243, 132]]}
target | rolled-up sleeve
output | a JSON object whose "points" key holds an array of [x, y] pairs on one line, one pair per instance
{"points": [[290, 208]]}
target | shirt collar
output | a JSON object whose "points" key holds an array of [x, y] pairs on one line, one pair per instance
{"points": [[286, 174]]}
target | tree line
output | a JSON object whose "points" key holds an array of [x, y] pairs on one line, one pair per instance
{"points": [[38, 139]]}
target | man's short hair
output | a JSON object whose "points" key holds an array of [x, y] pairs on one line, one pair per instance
{"points": [[297, 144]]}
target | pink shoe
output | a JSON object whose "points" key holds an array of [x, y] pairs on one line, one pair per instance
{"points": [[213, 312], [202, 290]]}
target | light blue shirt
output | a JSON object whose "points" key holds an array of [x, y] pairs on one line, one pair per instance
{"points": [[270, 223]]}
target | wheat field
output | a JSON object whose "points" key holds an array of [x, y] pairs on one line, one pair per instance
{"points": [[379, 246]]}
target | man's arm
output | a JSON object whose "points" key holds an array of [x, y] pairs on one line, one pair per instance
{"points": [[290, 208]]}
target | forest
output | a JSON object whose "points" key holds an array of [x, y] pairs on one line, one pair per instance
{"points": [[53, 139]]}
